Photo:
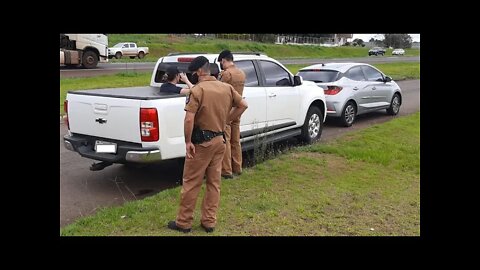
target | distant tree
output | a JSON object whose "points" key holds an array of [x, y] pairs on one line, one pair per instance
{"points": [[358, 41], [347, 44], [266, 38], [398, 40], [372, 40]]}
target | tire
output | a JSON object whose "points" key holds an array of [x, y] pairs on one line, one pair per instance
{"points": [[395, 105], [141, 55], [118, 55], [313, 125], [89, 59], [349, 114]]}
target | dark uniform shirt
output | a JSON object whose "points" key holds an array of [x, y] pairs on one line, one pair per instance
{"points": [[234, 76], [212, 101], [170, 88]]}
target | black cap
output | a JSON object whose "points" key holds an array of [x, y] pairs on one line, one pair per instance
{"points": [[172, 70], [225, 53], [197, 63]]}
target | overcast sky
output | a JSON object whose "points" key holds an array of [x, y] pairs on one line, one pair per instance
{"points": [[367, 37]]}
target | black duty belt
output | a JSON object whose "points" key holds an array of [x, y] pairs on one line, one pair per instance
{"points": [[201, 136]]}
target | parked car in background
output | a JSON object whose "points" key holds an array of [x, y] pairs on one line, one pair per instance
{"points": [[398, 52], [376, 51], [354, 88], [127, 49]]}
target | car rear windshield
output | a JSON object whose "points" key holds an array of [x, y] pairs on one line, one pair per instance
{"points": [[182, 67], [319, 76]]}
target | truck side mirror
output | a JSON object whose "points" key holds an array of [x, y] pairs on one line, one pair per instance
{"points": [[297, 80]]}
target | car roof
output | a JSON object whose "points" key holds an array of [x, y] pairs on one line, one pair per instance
{"points": [[212, 58], [341, 67]]}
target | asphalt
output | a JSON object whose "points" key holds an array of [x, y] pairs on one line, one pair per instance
{"points": [[83, 192], [112, 68]]}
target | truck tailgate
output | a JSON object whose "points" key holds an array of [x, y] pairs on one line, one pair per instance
{"points": [[107, 117]]}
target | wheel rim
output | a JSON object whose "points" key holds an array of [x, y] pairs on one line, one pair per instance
{"points": [[349, 114], [90, 60], [314, 126], [396, 104]]}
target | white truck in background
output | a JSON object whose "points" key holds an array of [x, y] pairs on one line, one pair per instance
{"points": [[127, 49], [83, 49]]}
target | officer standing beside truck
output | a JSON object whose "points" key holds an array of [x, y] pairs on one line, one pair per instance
{"points": [[208, 109], [232, 159]]}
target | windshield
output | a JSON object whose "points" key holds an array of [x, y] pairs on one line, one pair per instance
{"points": [[118, 45], [319, 76]]}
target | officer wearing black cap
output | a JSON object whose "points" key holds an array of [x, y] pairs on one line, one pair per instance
{"points": [[232, 160], [172, 77], [209, 107]]}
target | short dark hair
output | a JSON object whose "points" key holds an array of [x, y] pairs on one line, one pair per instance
{"points": [[225, 54]]}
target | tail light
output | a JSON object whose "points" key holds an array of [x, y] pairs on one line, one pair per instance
{"points": [[332, 90], [149, 128], [185, 59], [65, 108]]}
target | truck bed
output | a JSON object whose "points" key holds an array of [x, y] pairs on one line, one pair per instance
{"points": [[142, 93]]}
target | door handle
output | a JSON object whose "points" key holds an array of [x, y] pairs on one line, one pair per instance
{"points": [[272, 95], [374, 88], [355, 88]]}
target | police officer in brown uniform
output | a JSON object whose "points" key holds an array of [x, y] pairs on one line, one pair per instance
{"points": [[232, 160], [208, 109]]}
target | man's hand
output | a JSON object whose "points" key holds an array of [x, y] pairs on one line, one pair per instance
{"points": [[190, 150]]}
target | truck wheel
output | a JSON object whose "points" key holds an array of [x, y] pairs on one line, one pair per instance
{"points": [[89, 59], [394, 105], [313, 125], [118, 55], [348, 115], [141, 55]]}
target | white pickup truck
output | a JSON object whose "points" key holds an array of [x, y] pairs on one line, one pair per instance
{"points": [[142, 125], [127, 49]]}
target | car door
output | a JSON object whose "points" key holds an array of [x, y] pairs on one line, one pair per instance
{"points": [[381, 90], [254, 118], [283, 100], [357, 83]]}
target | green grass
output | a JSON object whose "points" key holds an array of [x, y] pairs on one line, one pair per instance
{"points": [[365, 183], [163, 44], [398, 71]]}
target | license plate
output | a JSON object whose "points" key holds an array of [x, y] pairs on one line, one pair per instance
{"points": [[105, 147]]}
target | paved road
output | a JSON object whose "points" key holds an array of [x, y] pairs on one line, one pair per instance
{"points": [[111, 68], [82, 191]]}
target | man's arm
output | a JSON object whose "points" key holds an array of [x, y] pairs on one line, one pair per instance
{"points": [[188, 129], [237, 111]]}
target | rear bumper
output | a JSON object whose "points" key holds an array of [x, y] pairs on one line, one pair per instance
{"points": [[126, 152]]}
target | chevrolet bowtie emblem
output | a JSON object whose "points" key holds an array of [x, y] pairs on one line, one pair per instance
{"points": [[101, 120]]}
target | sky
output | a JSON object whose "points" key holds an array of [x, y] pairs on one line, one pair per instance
{"points": [[367, 37]]}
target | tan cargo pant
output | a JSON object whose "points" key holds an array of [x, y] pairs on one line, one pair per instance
{"points": [[207, 161], [232, 159]]}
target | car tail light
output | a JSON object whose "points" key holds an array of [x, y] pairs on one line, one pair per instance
{"points": [[65, 108], [149, 128], [332, 90], [185, 59]]}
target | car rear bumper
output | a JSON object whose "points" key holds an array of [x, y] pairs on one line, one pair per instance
{"points": [[126, 152]]}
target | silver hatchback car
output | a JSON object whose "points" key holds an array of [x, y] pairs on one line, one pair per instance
{"points": [[352, 89]]}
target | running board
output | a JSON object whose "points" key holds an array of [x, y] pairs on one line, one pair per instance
{"points": [[280, 136]]}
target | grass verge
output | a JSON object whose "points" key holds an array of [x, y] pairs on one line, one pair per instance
{"points": [[364, 183]]}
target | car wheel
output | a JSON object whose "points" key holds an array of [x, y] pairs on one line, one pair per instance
{"points": [[141, 55], [313, 125], [118, 55], [395, 105], [349, 114], [89, 59]]}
